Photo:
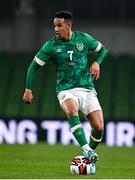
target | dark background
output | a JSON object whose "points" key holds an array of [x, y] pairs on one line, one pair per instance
{"points": [[113, 10]]}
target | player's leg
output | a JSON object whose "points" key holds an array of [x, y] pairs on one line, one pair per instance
{"points": [[69, 106], [92, 110], [97, 123]]}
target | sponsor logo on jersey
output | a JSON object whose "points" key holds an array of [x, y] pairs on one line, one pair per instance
{"points": [[59, 50], [80, 46], [71, 63]]}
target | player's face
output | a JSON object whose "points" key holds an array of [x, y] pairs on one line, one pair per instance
{"points": [[61, 28]]}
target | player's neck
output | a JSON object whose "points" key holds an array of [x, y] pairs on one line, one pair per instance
{"points": [[68, 36]]}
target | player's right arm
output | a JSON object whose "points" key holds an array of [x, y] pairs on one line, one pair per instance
{"points": [[28, 96], [41, 57]]}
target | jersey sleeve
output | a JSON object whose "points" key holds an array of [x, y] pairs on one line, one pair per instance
{"points": [[93, 44], [44, 54]]}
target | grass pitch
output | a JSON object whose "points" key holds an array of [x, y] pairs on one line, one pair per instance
{"points": [[42, 161]]}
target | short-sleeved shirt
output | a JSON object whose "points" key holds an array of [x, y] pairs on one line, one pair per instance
{"points": [[70, 59]]}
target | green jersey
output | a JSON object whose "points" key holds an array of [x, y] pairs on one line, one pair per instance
{"points": [[70, 59]]}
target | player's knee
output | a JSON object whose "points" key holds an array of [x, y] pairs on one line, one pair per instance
{"points": [[99, 127], [72, 112]]}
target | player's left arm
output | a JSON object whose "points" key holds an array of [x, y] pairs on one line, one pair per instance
{"points": [[100, 49], [101, 54]]}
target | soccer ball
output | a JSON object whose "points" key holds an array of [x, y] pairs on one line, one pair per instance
{"points": [[82, 166]]}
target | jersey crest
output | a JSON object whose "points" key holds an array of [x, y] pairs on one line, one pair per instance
{"points": [[80, 46]]}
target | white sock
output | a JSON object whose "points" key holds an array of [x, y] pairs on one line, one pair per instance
{"points": [[86, 148]]}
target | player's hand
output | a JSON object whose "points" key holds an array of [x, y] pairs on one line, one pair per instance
{"points": [[27, 97], [95, 70]]}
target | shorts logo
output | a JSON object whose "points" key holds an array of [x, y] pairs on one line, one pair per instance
{"points": [[80, 46], [63, 97]]}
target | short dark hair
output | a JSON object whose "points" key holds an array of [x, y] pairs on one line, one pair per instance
{"points": [[68, 16]]}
